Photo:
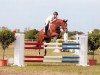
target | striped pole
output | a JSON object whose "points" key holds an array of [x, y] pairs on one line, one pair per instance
{"points": [[52, 43], [68, 40], [35, 43], [57, 61], [63, 61], [71, 57]]}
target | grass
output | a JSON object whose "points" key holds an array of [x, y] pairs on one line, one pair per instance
{"points": [[49, 68]]}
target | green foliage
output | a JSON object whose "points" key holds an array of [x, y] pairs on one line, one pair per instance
{"points": [[94, 40], [6, 38], [31, 34]]}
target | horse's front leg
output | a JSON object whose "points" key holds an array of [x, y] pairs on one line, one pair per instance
{"points": [[45, 52]]}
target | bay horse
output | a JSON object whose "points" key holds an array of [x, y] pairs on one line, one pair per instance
{"points": [[53, 32]]}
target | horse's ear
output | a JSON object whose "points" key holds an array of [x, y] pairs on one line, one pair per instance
{"points": [[65, 20]]}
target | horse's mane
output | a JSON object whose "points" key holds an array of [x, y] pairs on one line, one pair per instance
{"points": [[58, 21]]}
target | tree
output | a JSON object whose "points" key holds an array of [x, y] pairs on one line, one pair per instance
{"points": [[31, 34], [94, 40], [6, 38]]}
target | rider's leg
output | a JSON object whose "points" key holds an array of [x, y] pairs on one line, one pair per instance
{"points": [[46, 28]]}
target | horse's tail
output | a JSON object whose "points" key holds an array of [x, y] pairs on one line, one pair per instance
{"points": [[39, 40], [39, 43]]}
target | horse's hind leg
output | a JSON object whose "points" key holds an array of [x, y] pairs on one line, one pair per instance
{"points": [[47, 41], [39, 52], [45, 53]]}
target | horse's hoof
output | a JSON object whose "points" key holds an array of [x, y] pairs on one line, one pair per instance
{"points": [[61, 50]]}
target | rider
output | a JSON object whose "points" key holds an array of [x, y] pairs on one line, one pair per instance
{"points": [[49, 20]]}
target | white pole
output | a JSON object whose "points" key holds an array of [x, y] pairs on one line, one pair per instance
{"points": [[65, 37], [83, 40], [77, 38], [56, 48], [19, 50]]}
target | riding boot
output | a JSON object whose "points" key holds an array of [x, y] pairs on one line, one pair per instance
{"points": [[46, 29]]}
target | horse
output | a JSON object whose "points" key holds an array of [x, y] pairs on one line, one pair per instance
{"points": [[53, 32]]}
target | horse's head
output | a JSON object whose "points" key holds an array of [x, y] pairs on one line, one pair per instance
{"points": [[63, 24]]}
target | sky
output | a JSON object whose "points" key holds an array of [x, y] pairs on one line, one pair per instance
{"points": [[82, 15]]}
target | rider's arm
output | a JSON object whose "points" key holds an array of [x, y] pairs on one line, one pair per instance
{"points": [[53, 19]]}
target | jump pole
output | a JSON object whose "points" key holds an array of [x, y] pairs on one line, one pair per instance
{"points": [[19, 50]]}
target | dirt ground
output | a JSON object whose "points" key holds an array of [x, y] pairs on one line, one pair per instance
{"points": [[12, 72]]}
